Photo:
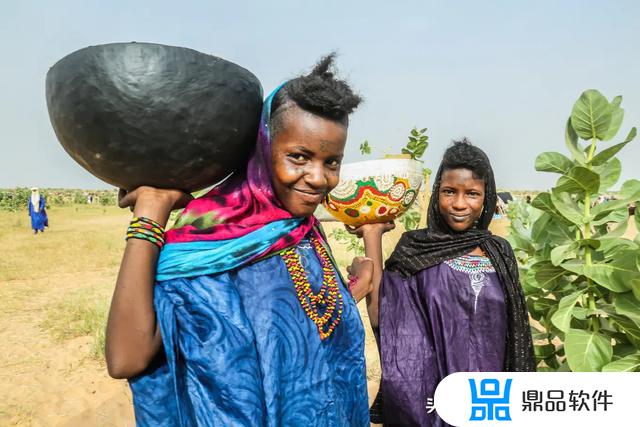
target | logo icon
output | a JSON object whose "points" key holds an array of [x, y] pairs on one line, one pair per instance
{"points": [[486, 401]]}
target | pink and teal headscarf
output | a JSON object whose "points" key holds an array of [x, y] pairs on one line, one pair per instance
{"points": [[235, 223]]}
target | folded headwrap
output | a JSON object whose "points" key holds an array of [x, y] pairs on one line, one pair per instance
{"points": [[235, 223]]}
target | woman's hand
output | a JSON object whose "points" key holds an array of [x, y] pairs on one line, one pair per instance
{"points": [[372, 236], [360, 277], [154, 203]]}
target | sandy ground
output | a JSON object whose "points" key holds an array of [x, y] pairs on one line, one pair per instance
{"points": [[47, 383], [44, 381]]}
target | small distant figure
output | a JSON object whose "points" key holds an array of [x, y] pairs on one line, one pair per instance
{"points": [[90, 199], [37, 211], [528, 199]]}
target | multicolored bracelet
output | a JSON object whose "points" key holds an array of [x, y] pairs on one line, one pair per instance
{"points": [[146, 229], [353, 281]]}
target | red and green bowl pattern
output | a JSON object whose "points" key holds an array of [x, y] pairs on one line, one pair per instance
{"points": [[375, 191]]}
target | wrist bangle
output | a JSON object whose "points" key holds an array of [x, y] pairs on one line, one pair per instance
{"points": [[353, 281], [146, 229]]}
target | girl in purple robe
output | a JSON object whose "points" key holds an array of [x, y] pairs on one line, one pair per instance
{"points": [[449, 299]]}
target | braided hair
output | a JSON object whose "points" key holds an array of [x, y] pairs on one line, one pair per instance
{"points": [[318, 92]]}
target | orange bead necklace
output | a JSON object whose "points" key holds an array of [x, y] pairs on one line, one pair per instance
{"points": [[319, 307]]}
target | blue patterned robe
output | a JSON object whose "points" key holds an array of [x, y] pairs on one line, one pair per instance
{"points": [[240, 351]]}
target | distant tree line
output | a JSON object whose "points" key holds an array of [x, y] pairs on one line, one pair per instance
{"points": [[15, 199]]}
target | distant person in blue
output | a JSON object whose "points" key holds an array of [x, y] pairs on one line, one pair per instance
{"points": [[242, 318], [37, 211]]}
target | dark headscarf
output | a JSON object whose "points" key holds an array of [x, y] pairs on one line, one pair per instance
{"points": [[420, 249]]}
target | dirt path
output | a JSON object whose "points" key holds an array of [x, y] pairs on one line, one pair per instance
{"points": [[47, 383]]}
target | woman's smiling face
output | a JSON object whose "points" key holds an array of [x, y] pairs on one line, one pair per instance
{"points": [[306, 154], [460, 198]]}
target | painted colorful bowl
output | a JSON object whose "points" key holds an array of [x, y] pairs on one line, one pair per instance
{"points": [[375, 190]]}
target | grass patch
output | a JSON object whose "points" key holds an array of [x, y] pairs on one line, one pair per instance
{"points": [[80, 238], [79, 315]]}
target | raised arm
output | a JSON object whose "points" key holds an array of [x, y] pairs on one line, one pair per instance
{"points": [[133, 336], [372, 235]]}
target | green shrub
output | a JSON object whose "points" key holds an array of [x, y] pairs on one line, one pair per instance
{"points": [[581, 278]]}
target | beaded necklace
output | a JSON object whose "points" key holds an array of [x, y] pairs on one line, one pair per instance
{"points": [[471, 264], [319, 307]]}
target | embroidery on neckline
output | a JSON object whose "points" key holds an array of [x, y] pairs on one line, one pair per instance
{"points": [[471, 264], [475, 267]]}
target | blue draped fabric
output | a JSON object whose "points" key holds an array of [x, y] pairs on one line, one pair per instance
{"points": [[240, 351], [39, 220], [191, 259]]}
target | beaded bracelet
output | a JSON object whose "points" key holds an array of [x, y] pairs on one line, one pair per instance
{"points": [[146, 229], [353, 281]]}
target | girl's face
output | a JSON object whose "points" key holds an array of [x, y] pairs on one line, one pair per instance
{"points": [[461, 198], [306, 154]]}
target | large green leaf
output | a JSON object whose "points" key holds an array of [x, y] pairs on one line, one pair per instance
{"points": [[623, 350], [560, 233], [591, 115], [562, 317], [547, 275], [567, 207], [613, 275], [636, 216], [612, 243], [616, 232], [543, 202], [520, 242], [619, 215], [563, 252], [571, 140], [617, 114], [568, 251], [579, 180], [608, 153], [626, 268], [628, 305], [634, 284], [628, 327], [528, 283], [630, 363], [553, 162], [542, 305], [538, 229], [587, 351], [629, 192], [544, 351], [609, 174]]}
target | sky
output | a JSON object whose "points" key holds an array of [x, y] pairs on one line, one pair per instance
{"points": [[505, 74]]}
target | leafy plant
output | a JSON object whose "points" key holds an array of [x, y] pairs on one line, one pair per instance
{"points": [[354, 244], [417, 144], [581, 278], [411, 218], [365, 148]]}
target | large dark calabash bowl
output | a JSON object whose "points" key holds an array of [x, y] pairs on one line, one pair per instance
{"points": [[147, 114]]}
